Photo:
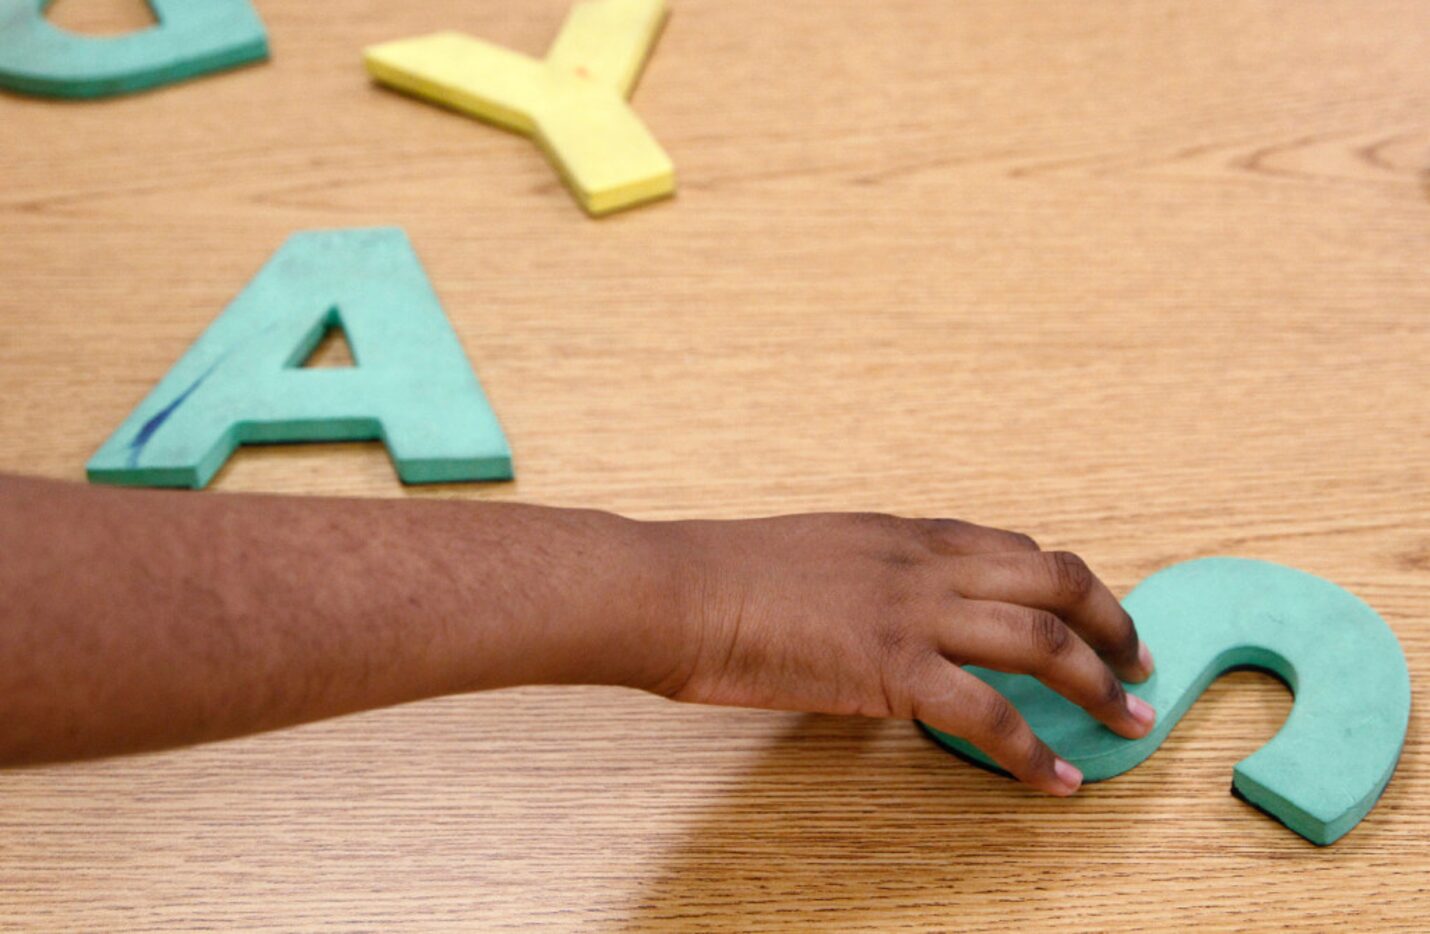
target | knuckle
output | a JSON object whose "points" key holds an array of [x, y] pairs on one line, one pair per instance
{"points": [[1111, 693], [942, 536], [1126, 641], [876, 520], [1072, 575], [1052, 639], [1001, 720], [1012, 617], [1022, 542], [1039, 758]]}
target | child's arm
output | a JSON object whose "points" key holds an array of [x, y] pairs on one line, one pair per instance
{"points": [[135, 619]]}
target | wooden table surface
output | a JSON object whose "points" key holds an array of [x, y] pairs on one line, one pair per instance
{"points": [[1146, 280]]}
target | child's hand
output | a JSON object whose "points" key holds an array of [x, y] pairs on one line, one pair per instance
{"points": [[873, 615]]}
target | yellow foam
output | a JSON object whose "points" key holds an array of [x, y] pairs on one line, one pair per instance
{"points": [[573, 103]]}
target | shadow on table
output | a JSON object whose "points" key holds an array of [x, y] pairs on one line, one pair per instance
{"points": [[853, 821], [862, 823]]}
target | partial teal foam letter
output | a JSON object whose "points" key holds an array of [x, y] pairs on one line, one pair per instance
{"points": [[243, 381], [192, 37], [1338, 749]]}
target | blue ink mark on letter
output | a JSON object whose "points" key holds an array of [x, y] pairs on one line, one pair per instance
{"points": [[146, 432]]}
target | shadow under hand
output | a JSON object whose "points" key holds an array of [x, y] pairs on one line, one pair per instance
{"points": [[858, 821], [870, 824]]}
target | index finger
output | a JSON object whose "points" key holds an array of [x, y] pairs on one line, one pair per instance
{"points": [[953, 701], [1060, 582]]}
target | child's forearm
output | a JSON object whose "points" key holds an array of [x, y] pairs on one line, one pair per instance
{"points": [[134, 619], [141, 619]]}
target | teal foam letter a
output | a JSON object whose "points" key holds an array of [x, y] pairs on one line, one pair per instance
{"points": [[243, 381], [192, 37]]}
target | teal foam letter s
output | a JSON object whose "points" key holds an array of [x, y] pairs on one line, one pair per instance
{"points": [[243, 380], [192, 37], [1335, 754]]}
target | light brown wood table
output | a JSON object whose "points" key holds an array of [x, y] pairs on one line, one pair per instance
{"points": [[1147, 280]]}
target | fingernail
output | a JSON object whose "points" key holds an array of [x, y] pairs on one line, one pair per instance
{"points": [[1141, 711], [1144, 658], [1068, 775]]}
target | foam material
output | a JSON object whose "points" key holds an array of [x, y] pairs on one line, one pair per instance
{"points": [[1326, 768], [573, 103], [243, 381], [191, 38]]}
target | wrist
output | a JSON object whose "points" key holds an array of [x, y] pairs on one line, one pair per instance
{"points": [[578, 597], [696, 609], [611, 607], [654, 635]]}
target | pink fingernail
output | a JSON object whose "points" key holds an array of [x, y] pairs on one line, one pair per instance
{"points": [[1144, 658], [1068, 774], [1141, 711]]}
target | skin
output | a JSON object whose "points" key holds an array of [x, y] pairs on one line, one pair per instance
{"points": [[138, 619]]}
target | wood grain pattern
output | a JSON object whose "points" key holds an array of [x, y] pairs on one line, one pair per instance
{"points": [[1147, 280]]}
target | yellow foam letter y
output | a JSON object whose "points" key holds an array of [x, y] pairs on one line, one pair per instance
{"points": [[573, 103]]}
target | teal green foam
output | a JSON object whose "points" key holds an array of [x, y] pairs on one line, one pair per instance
{"points": [[242, 382], [1326, 768], [191, 38]]}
